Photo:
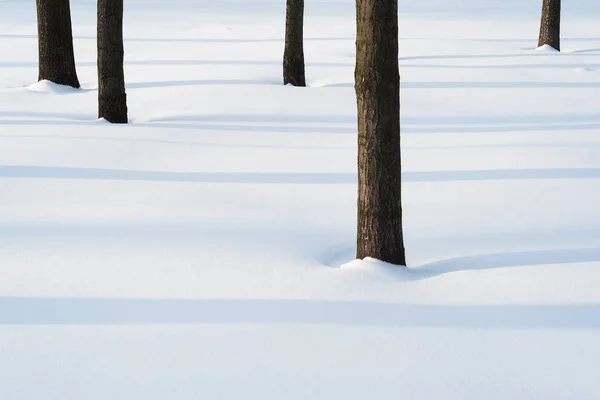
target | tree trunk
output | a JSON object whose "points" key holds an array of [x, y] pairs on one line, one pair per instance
{"points": [[377, 85], [293, 55], [112, 101], [55, 43], [550, 25]]}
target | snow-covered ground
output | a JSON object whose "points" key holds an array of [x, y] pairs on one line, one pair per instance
{"points": [[205, 250]]}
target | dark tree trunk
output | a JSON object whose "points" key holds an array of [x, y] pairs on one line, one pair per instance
{"points": [[377, 84], [550, 25], [112, 101], [293, 55], [55, 43]]}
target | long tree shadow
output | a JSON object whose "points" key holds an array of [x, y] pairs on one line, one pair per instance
{"points": [[503, 66], [500, 128], [507, 260], [24, 171], [254, 118], [339, 255], [315, 39], [289, 123], [586, 50], [43, 114], [488, 56], [160, 84], [163, 176], [483, 85], [187, 39], [501, 174], [99, 311], [168, 62], [194, 143], [194, 127]]}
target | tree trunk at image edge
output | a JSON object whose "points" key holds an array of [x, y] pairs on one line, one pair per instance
{"points": [[550, 25], [55, 43], [377, 85], [293, 55], [112, 101]]}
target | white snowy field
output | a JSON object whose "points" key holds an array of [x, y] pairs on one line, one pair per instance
{"points": [[205, 250]]}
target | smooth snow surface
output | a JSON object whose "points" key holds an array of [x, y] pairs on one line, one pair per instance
{"points": [[205, 251]]}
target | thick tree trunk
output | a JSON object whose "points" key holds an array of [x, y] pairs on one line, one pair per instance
{"points": [[112, 101], [293, 55], [550, 25], [377, 84], [55, 43]]}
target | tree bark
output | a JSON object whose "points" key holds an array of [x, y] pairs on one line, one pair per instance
{"points": [[293, 55], [112, 100], [550, 25], [377, 85], [55, 43]]}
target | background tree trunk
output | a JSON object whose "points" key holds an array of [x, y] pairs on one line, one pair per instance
{"points": [[293, 55], [377, 84], [112, 100], [55, 43], [550, 25]]}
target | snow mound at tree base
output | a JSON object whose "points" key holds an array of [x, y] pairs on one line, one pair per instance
{"points": [[547, 48], [48, 87]]}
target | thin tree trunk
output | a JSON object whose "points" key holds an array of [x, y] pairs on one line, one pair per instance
{"points": [[550, 25], [377, 84], [112, 101], [293, 55], [55, 43]]}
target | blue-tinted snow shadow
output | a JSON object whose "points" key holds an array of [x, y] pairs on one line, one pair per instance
{"points": [[162, 176], [506, 260], [188, 39], [194, 127], [194, 143], [281, 39], [484, 85], [570, 66], [254, 118], [168, 62], [407, 129], [22, 171], [41, 114], [586, 50], [158, 84], [529, 53], [99, 311], [338, 255], [344, 124], [410, 125]]}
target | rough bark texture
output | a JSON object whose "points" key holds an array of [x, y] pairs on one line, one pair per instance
{"points": [[112, 101], [55, 43], [293, 55], [550, 25], [377, 84]]}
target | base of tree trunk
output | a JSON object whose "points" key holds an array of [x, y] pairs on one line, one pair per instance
{"points": [[377, 85], [550, 24], [112, 100], [293, 73], [56, 59], [113, 108], [293, 54]]}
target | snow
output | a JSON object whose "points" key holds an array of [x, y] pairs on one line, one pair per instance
{"points": [[206, 249], [547, 48], [48, 87]]}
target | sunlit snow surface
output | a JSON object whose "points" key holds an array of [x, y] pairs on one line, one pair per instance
{"points": [[205, 251]]}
